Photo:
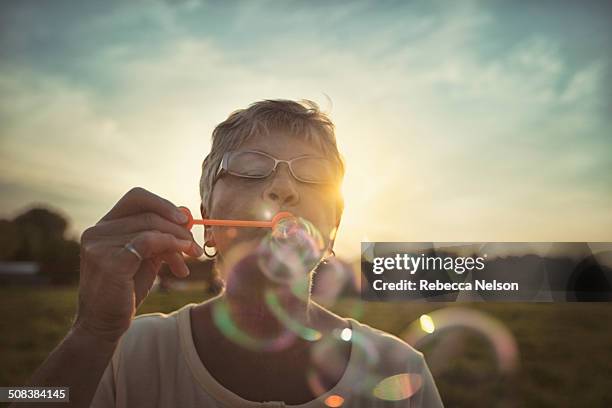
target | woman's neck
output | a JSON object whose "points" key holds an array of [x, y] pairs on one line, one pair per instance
{"points": [[263, 308]]}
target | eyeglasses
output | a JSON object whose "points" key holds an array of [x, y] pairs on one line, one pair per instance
{"points": [[259, 165]]}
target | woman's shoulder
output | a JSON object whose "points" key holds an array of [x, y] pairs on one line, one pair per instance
{"points": [[386, 348]]}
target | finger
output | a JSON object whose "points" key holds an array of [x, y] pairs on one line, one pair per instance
{"points": [[177, 264], [144, 278], [151, 243], [139, 200], [193, 250], [142, 222]]}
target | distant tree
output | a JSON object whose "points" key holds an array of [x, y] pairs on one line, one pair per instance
{"points": [[38, 235], [39, 228], [10, 240]]}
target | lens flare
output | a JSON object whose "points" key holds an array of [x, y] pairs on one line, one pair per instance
{"points": [[398, 387], [346, 334], [427, 323], [334, 401]]}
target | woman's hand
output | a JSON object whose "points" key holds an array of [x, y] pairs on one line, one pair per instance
{"points": [[113, 280]]}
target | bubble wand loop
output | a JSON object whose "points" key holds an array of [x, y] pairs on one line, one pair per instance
{"points": [[235, 223]]}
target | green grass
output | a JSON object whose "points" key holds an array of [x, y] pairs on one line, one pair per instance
{"points": [[565, 349]]}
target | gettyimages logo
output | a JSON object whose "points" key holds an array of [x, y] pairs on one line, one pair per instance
{"points": [[487, 271], [413, 264]]}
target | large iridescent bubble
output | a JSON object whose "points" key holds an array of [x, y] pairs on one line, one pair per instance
{"points": [[441, 322], [233, 332], [285, 256], [292, 250], [471, 347]]}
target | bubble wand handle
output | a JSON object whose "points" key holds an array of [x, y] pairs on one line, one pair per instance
{"points": [[235, 223]]}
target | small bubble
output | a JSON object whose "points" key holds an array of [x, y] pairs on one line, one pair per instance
{"points": [[292, 250]]}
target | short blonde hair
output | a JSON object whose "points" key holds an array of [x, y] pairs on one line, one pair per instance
{"points": [[296, 118]]}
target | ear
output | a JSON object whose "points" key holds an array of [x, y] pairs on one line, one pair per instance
{"points": [[329, 252], [339, 210], [209, 239]]}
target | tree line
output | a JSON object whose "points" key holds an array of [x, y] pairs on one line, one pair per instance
{"points": [[39, 235]]}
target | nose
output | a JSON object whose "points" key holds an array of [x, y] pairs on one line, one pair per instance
{"points": [[282, 189]]}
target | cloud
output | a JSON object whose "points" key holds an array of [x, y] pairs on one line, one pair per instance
{"points": [[441, 138]]}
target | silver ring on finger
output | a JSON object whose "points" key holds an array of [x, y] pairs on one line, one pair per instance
{"points": [[130, 247]]}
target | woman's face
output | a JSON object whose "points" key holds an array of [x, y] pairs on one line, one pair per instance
{"points": [[260, 199]]}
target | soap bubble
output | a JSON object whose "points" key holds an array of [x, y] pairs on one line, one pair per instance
{"points": [[231, 330], [443, 321], [472, 347], [292, 250], [329, 361], [285, 256], [275, 306]]}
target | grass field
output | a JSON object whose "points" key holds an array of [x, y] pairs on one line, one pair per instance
{"points": [[565, 349]]}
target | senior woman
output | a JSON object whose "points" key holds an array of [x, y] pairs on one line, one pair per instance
{"points": [[262, 342]]}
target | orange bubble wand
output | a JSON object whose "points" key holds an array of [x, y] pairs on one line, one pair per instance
{"points": [[235, 223]]}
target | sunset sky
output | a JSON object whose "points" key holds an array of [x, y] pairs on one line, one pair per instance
{"points": [[458, 121]]}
